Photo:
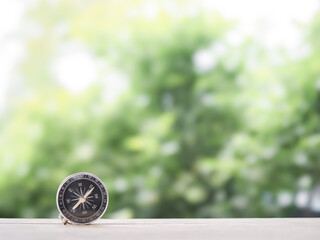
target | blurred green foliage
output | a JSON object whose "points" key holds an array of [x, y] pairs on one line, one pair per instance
{"points": [[238, 138]]}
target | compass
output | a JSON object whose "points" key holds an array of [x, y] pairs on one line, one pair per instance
{"points": [[82, 198]]}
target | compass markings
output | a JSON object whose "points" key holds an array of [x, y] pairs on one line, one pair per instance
{"points": [[76, 194], [77, 190]]}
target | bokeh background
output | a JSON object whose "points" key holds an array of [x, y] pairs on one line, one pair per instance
{"points": [[183, 108]]}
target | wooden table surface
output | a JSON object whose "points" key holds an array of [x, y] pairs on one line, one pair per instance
{"points": [[262, 228]]}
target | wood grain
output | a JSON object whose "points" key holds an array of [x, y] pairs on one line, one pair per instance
{"points": [[270, 228]]}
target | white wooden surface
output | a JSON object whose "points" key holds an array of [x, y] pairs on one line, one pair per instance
{"points": [[271, 228]]}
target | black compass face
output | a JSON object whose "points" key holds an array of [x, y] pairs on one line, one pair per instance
{"points": [[82, 198]]}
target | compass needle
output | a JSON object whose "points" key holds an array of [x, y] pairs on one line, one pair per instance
{"points": [[88, 193]]}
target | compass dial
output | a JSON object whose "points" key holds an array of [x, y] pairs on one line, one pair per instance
{"points": [[82, 198]]}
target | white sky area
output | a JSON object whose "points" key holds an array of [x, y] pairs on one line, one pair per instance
{"points": [[74, 61], [11, 13], [277, 15]]}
